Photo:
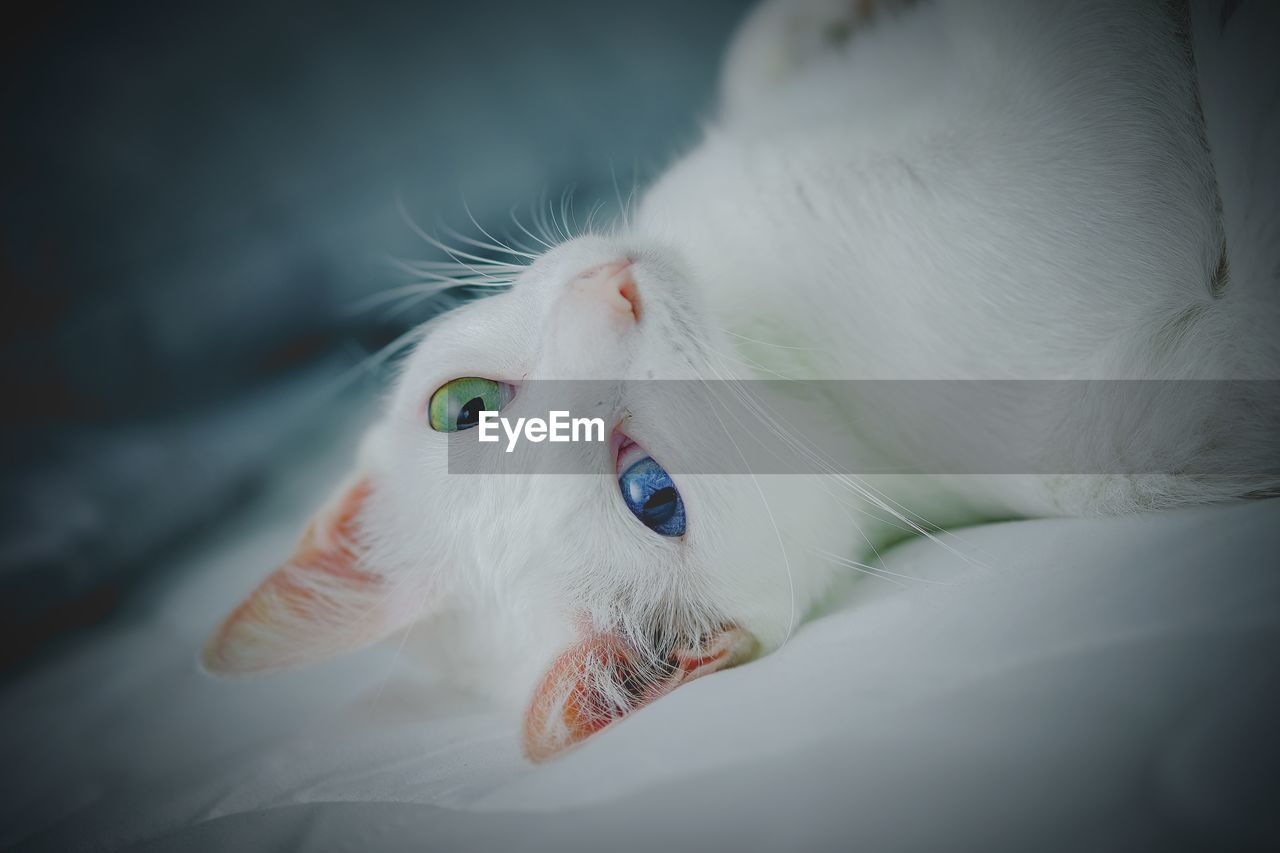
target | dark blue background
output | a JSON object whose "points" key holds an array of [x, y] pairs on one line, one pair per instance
{"points": [[192, 199]]}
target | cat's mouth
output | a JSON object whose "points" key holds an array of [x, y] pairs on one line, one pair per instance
{"points": [[604, 677]]}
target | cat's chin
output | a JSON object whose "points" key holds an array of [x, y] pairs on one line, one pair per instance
{"points": [[603, 678]]}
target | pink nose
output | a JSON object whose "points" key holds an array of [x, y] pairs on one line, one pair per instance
{"points": [[614, 284]]}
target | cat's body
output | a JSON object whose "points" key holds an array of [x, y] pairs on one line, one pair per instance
{"points": [[986, 191], [932, 190]]}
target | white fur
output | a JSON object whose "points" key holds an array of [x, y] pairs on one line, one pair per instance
{"points": [[957, 190]]}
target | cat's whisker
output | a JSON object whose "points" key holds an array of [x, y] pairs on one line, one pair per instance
{"points": [[511, 247], [547, 220], [537, 212], [414, 266], [922, 527], [566, 210], [934, 532], [541, 220], [634, 191], [828, 470], [839, 498], [914, 523], [521, 226], [623, 213], [466, 280], [751, 363], [417, 290], [880, 572], [434, 284], [591, 216], [455, 253], [791, 585], [481, 244], [764, 343], [859, 567]]}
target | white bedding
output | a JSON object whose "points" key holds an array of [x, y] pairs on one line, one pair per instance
{"points": [[1104, 684]]}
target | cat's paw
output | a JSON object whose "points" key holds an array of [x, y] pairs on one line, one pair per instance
{"points": [[782, 37]]}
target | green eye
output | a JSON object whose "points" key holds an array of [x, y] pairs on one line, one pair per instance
{"points": [[457, 404]]}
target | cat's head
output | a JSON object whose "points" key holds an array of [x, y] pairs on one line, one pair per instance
{"points": [[612, 584]]}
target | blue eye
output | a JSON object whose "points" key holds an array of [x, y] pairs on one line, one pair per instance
{"points": [[652, 497]]}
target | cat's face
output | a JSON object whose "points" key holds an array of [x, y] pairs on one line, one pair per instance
{"points": [[619, 580]]}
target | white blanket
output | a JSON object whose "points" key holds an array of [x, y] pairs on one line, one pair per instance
{"points": [[1102, 684]]}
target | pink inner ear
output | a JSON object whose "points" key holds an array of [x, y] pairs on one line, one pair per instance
{"points": [[323, 601], [602, 679]]}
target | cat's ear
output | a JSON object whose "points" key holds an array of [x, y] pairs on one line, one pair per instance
{"points": [[324, 600], [603, 678]]}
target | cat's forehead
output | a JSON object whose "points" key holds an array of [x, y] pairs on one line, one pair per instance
{"points": [[497, 332], [478, 332]]}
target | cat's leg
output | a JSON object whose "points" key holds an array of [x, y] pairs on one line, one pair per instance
{"points": [[781, 37]]}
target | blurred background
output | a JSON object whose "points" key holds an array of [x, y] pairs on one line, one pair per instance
{"points": [[196, 203]]}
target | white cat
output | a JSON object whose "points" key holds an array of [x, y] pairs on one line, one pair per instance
{"points": [[891, 190]]}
